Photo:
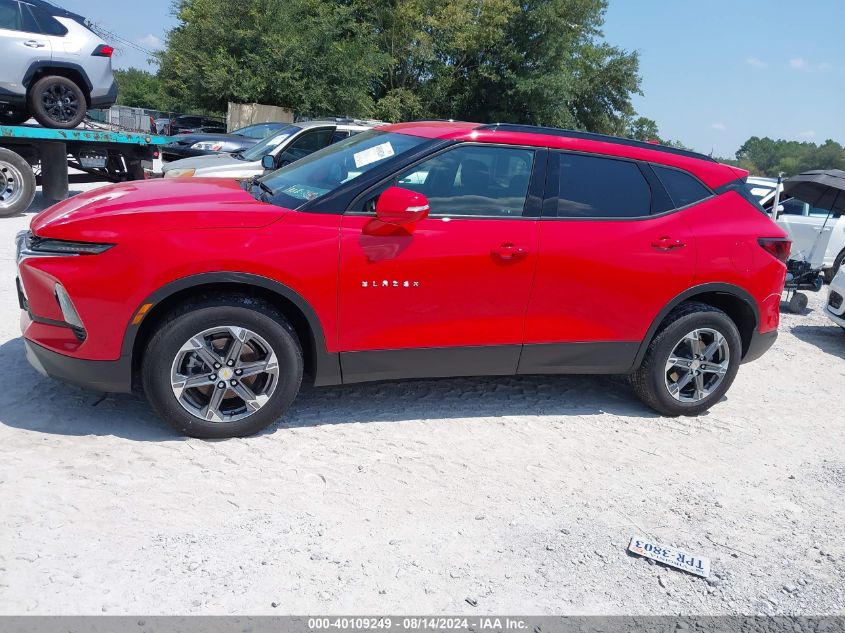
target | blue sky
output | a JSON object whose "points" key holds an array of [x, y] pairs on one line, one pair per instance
{"points": [[714, 73]]}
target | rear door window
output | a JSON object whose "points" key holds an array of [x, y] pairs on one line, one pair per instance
{"points": [[598, 187], [37, 20], [683, 188], [10, 16]]}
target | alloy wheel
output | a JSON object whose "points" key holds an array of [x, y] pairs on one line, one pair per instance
{"points": [[60, 102], [697, 365], [224, 374], [11, 185]]}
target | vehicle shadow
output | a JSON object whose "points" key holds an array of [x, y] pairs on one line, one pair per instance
{"points": [[828, 338], [44, 405], [39, 203]]}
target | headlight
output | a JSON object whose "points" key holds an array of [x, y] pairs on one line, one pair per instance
{"points": [[37, 245], [214, 146], [179, 173]]}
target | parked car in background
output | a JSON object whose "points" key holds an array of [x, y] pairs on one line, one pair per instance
{"points": [[414, 250], [204, 144], [162, 125], [188, 123], [835, 307], [286, 145], [810, 228], [54, 68]]}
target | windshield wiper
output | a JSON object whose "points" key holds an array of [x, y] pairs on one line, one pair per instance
{"points": [[267, 192]]}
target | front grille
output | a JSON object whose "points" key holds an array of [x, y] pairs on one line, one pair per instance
{"points": [[835, 300]]}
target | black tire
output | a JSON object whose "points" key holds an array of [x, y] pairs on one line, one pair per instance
{"points": [[17, 183], [57, 102], [9, 116], [798, 302], [193, 318], [649, 379], [830, 273]]}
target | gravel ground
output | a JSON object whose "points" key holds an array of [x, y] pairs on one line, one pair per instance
{"points": [[516, 495]]}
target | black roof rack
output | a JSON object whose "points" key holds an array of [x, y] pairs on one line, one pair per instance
{"points": [[592, 136]]}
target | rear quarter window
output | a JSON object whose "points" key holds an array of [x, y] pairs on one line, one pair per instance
{"points": [[683, 188]]}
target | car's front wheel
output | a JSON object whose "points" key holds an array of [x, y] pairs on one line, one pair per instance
{"points": [[57, 102], [222, 368], [691, 362]]}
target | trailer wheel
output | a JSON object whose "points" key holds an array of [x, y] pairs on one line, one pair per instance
{"points": [[17, 183], [798, 302]]}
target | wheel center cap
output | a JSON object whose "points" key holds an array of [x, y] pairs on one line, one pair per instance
{"points": [[226, 373], [695, 365]]}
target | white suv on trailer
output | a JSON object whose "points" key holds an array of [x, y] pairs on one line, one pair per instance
{"points": [[52, 65]]}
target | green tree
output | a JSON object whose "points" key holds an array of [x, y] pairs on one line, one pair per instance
{"points": [[768, 157], [528, 61], [139, 89], [643, 129], [308, 55]]}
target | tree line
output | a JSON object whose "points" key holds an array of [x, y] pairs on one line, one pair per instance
{"points": [[524, 61], [542, 62]]}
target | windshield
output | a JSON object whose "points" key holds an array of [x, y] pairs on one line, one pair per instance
{"points": [[259, 150], [323, 171], [257, 130]]}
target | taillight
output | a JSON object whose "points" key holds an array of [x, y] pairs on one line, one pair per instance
{"points": [[777, 247], [103, 50]]}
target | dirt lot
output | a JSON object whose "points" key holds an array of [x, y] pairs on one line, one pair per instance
{"points": [[518, 493]]}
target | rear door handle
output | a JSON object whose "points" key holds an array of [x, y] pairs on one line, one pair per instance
{"points": [[509, 251], [34, 44], [667, 244]]}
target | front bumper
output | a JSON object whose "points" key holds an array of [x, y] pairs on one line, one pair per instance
{"points": [[834, 307], [98, 375]]}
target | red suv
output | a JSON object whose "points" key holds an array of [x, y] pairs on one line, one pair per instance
{"points": [[413, 250]]}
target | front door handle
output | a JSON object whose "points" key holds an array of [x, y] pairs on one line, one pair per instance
{"points": [[509, 251], [666, 243], [34, 44]]}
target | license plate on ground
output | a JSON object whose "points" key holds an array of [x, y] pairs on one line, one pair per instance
{"points": [[672, 556]]}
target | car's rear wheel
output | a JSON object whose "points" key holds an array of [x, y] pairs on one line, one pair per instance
{"points": [[17, 183], [57, 102], [222, 368], [691, 362]]}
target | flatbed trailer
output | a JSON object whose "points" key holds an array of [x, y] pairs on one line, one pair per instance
{"points": [[32, 155]]}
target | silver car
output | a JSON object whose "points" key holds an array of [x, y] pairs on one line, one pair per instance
{"points": [[54, 67], [286, 145]]}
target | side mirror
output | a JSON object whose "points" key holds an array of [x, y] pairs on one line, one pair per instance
{"points": [[779, 211], [268, 162], [401, 206]]}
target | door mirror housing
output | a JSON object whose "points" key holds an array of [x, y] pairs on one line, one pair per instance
{"points": [[401, 206], [268, 162]]}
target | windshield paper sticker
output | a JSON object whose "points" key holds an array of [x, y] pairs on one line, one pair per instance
{"points": [[373, 155], [301, 192]]}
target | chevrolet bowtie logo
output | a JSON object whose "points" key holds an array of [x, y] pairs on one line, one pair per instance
{"points": [[390, 283]]}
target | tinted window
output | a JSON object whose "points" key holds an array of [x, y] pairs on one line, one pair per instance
{"points": [[471, 180], [792, 207], [682, 188], [306, 144], [37, 20], [595, 187], [339, 135], [10, 17]]}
